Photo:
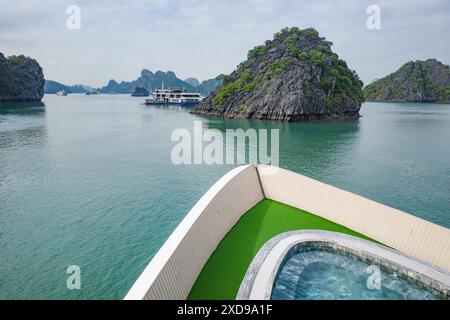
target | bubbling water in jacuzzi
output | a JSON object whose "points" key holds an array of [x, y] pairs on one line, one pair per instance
{"points": [[311, 273]]}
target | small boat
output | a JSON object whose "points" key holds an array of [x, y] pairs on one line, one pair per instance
{"points": [[61, 93], [93, 92]]}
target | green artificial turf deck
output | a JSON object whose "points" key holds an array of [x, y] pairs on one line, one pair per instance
{"points": [[222, 274]]}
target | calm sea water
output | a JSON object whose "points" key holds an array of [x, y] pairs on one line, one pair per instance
{"points": [[88, 181]]}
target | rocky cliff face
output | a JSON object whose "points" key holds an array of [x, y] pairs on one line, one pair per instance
{"points": [[415, 81], [294, 77], [21, 79]]}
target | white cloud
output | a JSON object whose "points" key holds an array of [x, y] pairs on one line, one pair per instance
{"points": [[203, 38]]}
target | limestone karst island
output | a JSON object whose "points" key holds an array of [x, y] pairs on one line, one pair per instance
{"points": [[415, 81], [296, 76], [21, 79]]}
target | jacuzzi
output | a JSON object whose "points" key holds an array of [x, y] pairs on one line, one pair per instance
{"points": [[315, 265]]}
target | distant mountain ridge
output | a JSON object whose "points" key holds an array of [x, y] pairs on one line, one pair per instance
{"points": [[206, 87], [152, 80], [415, 81], [51, 87], [192, 81], [148, 80]]}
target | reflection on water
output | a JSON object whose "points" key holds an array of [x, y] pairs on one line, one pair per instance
{"points": [[22, 108], [22, 124]]}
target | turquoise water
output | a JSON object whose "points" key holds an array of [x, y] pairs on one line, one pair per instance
{"points": [[88, 181], [318, 274]]}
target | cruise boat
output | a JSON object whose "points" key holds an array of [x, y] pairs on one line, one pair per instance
{"points": [[174, 96], [262, 232]]}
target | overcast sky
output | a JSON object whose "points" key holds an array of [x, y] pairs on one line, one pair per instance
{"points": [[202, 39]]}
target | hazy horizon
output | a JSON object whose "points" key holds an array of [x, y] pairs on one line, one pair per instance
{"points": [[203, 39]]}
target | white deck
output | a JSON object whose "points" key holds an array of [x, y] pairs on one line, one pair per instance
{"points": [[175, 268]]}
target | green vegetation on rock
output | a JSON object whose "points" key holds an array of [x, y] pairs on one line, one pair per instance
{"points": [[256, 52], [21, 79], [230, 87], [279, 66]]}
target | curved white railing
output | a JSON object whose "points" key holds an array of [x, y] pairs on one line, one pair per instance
{"points": [[176, 266]]}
